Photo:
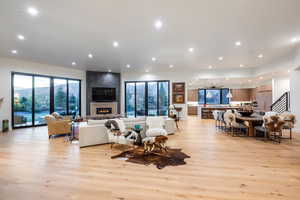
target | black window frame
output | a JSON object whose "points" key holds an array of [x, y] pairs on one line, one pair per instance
{"points": [[221, 96], [146, 96], [33, 96]]}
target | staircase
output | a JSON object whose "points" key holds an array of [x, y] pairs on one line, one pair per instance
{"points": [[282, 104]]}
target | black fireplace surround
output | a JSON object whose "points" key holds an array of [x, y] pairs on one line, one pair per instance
{"points": [[102, 80]]}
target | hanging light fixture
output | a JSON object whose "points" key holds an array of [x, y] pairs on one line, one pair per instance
{"points": [[208, 95], [229, 95]]}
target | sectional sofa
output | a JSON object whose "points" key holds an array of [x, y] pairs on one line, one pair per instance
{"points": [[93, 132]]}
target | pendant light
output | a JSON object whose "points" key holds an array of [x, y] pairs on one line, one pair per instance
{"points": [[208, 95], [229, 95]]}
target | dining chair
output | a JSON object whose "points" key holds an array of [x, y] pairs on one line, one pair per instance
{"points": [[236, 129], [290, 121]]}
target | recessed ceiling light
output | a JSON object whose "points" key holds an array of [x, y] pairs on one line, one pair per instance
{"points": [[171, 66], [249, 80], [210, 67], [227, 79], [238, 43], [294, 40], [14, 51], [32, 11], [261, 78], [147, 71], [109, 70], [260, 56], [153, 59], [241, 65], [289, 71], [128, 66], [115, 44], [73, 63], [221, 58], [21, 37], [90, 55], [191, 49], [158, 24]]}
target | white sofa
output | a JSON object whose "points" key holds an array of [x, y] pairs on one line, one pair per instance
{"points": [[94, 132]]}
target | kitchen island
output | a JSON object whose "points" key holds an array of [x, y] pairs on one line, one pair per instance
{"points": [[207, 112]]}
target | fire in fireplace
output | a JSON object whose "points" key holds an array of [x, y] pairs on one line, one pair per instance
{"points": [[103, 111]]}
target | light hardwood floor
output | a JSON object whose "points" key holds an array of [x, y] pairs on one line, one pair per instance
{"points": [[220, 167]]}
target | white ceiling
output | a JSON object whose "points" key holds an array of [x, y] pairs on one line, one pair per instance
{"points": [[68, 30]]}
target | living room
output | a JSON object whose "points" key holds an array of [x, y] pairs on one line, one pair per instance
{"points": [[150, 99]]}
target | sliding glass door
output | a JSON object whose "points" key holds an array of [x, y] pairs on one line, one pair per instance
{"points": [[74, 97], [140, 99], [35, 96], [152, 99], [41, 99], [130, 99], [60, 96], [22, 100], [146, 98], [163, 98]]}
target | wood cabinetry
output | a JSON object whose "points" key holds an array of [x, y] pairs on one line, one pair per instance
{"points": [[207, 112], [241, 94], [192, 110], [263, 97]]}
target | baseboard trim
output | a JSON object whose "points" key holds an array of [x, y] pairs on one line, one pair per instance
{"points": [[297, 130]]}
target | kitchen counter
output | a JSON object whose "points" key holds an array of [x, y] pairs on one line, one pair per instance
{"points": [[207, 112]]}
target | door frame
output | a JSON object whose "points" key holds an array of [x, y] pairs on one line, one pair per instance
{"points": [[13, 73], [146, 95]]}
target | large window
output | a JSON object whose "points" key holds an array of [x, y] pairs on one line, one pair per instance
{"points": [[130, 99], [140, 99], [213, 96], [146, 98], [22, 100], [74, 97], [60, 96], [41, 99], [35, 96]]}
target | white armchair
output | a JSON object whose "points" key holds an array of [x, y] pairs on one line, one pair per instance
{"points": [[155, 127]]}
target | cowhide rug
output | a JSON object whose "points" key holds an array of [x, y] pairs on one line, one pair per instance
{"points": [[173, 157]]}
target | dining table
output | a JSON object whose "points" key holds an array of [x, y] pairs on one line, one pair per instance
{"points": [[251, 122]]}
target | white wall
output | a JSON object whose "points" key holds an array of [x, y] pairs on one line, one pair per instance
{"points": [[295, 90], [295, 96], [9, 65], [280, 85]]}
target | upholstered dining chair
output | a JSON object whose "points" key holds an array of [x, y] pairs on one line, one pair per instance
{"points": [[262, 128], [216, 117], [236, 129], [289, 122]]}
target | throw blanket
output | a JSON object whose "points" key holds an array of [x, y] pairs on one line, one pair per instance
{"points": [[112, 125]]}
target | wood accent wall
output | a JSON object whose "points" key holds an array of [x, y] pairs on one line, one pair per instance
{"points": [[241, 94], [193, 95], [192, 110]]}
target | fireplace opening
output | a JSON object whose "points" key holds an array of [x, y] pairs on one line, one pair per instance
{"points": [[103, 111]]}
